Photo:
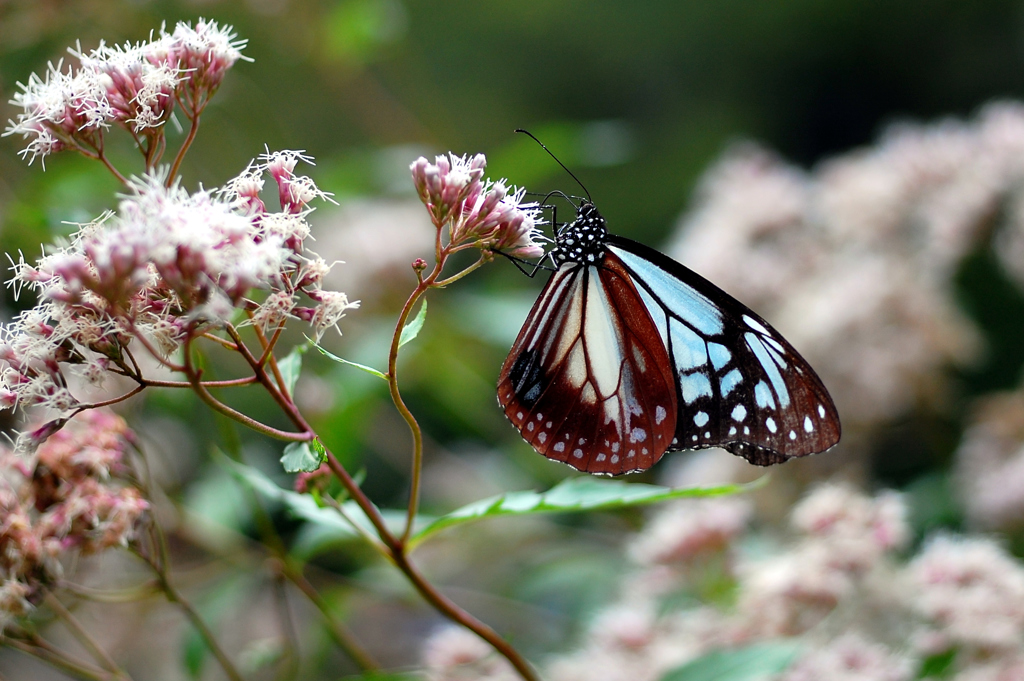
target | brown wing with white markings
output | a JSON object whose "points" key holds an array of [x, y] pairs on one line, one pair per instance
{"points": [[588, 381]]}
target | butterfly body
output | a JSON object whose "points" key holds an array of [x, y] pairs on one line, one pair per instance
{"points": [[627, 355]]}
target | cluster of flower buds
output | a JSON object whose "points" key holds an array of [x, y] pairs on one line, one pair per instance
{"points": [[455, 193], [168, 264], [70, 499], [134, 86]]}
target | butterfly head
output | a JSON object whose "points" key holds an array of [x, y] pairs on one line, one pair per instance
{"points": [[582, 240]]}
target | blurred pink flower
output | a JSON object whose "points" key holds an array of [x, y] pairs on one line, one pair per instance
{"points": [[850, 657], [854, 261], [971, 592], [70, 499]]}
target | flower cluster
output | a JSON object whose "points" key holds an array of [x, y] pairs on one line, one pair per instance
{"points": [[835, 587], [73, 500], [487, 214], [165, 267], [844, 538], [855, 261], [133, 86], [990, 464], [972, 594]]}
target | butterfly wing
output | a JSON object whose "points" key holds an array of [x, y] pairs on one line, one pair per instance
{"points": [[741, 385], [588, 381]]}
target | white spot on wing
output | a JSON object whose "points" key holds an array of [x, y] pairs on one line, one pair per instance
{"points": [[542, 437], [637, 435], [754, 324], [719, 354], [603, 348], [821, 411], [732, 430], [770, 368], [770, 422], [792, 435], [559, 446], [700, 418], [730, 381], [529, 426], [739, 412], [694, 386], [808, 426], [763, 396], [638, 357], [577, 367], [659, 415], [578, 453], [688, 349]]}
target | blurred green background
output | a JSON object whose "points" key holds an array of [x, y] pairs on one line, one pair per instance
{"points": [[638, 98]]}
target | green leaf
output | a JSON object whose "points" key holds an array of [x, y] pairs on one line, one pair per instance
{"points": [[305, 507], [938, 666], [582, 493], [299, 457], [291, 367], [412, 329], [357, 365], [752, 663]]}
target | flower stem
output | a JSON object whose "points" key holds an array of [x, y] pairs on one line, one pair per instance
{"points": [[338, 631], [175, 597], [43, 651], [184, 149], [76, 629]]}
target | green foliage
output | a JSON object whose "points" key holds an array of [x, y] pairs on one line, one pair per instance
{"points": [[300, 457], [412, 329], [938, 666], [572, 495], [753, 663], [370, 370], [291, 366]]}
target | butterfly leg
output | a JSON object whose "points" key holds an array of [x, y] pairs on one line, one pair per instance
{"points": [[528, 268]]}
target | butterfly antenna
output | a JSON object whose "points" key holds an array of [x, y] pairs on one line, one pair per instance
{"points": [[531, 135]]}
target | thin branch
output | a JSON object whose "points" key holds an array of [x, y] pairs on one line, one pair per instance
{"points": [[83, 637], [43, 651], [290, 662], [174, 596], [130, 595], [106, 403], [229, 383], [247, 421], [216, 339], [184, 149], [338, 631], [454, 278]]}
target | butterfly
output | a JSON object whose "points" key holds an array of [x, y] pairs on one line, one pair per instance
{"points": [[627, 354]]}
